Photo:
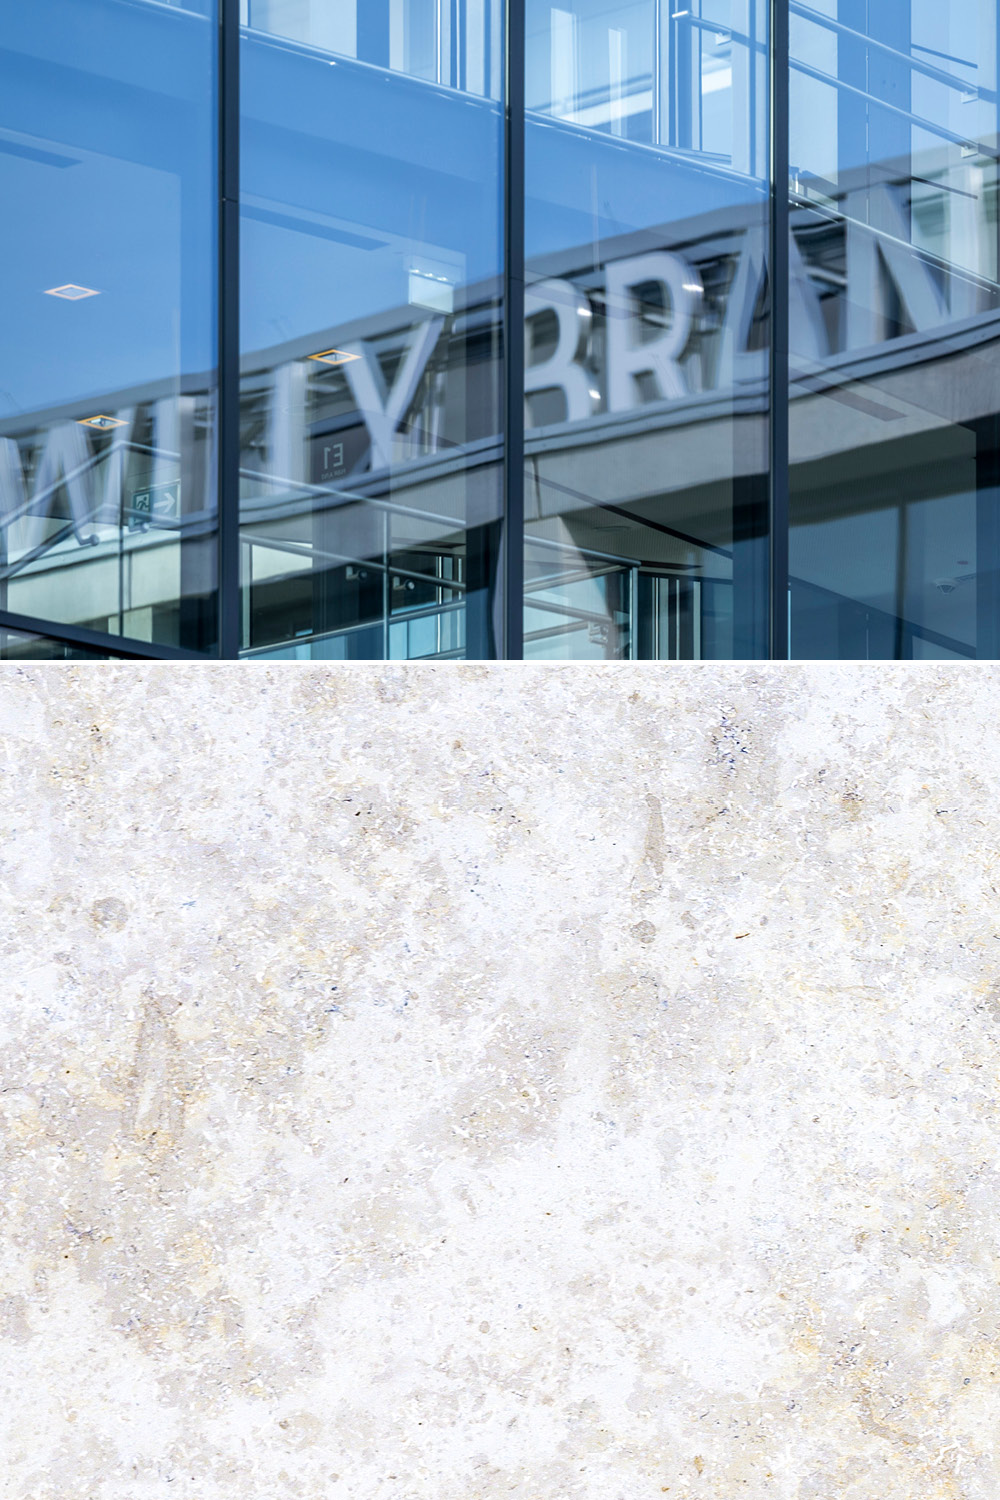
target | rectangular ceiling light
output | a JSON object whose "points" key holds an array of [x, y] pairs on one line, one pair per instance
{"points": [[334, 357], [72, 293], [434, 292]]}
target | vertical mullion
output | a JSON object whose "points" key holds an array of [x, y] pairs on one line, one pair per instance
{"points": [[988, 538], [779, 272], [512, 560], [228, 391]]}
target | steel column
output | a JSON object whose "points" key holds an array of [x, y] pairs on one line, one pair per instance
{"points": [[778, 280], [512, 554], [228, 370]]}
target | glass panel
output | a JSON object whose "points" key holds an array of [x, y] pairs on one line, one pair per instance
{"points": [[894, 318], [371, 319], [107, 345], [15, 645], [647, 328], [457, 43]]}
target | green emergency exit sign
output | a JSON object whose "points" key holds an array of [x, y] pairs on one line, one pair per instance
{"points": [[157, 502]]}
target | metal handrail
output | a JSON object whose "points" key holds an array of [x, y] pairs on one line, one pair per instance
{"points": [[940, 75], [427, 611], [305, 549], [941, 131]]}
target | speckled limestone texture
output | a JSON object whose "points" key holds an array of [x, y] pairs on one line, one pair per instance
{"points": [[454, 1083]]}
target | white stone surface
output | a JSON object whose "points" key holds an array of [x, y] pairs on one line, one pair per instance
{"points": [[454, 1083]]}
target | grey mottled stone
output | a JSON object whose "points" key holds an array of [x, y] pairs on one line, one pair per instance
{"points": [[454, 1083]]}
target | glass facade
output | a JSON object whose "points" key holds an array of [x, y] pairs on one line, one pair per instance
{"points": [[893, 352], [371, 448], [646, 223], [108, 178], [598, 329]]}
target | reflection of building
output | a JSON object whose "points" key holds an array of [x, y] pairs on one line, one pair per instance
{"points": [[700, 477]]}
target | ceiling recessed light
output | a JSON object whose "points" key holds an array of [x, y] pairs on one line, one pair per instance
{"points": [[333, 357], [102, 423], [72, 293]]}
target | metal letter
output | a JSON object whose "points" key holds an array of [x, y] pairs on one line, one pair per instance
{"points": [[383, 410], [627, 357], [286, 435], [66, 463], [562, 370], [868, 251]]}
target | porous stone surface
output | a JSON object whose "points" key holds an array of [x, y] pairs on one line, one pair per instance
{"points": [[464, 1082]]}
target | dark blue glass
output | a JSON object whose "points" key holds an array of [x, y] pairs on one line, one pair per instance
{"points": [[17, 645], [647, 328], [371, 284], [894, 322], [108, 179]]}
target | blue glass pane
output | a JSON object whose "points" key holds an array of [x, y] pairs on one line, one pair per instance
{"points": [[107, 341], [371, 448], [647, 328], [895, 315]]}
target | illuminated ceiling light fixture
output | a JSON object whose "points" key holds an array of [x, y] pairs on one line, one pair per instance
{"points": [[102, 423], [333, 357], [72, 293]]}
